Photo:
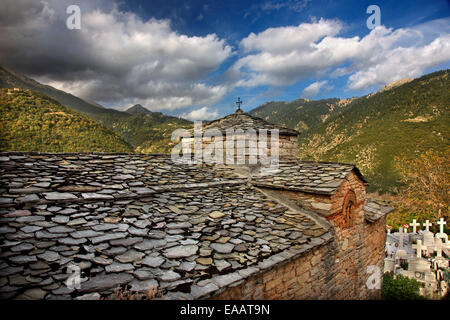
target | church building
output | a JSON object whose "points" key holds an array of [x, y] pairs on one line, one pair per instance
{"points": [[82, 225]]}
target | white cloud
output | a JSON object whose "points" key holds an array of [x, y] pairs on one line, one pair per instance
{"points": [[200, 114], [314, 88], [284, 40], [282, 56], [116, 55], [401, 63]]}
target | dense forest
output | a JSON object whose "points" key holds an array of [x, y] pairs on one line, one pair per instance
{"points": [[300, 114]]}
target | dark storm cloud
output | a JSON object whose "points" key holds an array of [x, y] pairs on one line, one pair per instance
{"points": [[115, 57]]}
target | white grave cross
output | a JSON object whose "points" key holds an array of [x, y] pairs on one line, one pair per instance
{"points": [[414, 224], [438, 248], [441, 225], [427, 225], [419, 247]]}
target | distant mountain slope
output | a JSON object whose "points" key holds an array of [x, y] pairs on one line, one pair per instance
{"points": [[137, 109], [300, 114], [150, 133], [145, 134], [31, 121], [12, 79], [406, 120]]}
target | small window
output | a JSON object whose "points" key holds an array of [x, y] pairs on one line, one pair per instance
{"points": [[349, 208]]}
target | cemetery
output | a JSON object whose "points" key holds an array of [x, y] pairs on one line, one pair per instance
{"points": [[420, 254]]}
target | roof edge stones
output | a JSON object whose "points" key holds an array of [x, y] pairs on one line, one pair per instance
{"points": [[374, 211], [222, 282]]}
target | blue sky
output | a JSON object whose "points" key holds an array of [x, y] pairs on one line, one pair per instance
{"points": [[194, 58]]}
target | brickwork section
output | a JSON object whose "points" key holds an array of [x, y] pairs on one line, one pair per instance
{"points": [[302, 278]]}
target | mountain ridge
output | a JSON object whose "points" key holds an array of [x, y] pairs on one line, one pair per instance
{"points": [[32, 121], [372, 130], [137, 109]]}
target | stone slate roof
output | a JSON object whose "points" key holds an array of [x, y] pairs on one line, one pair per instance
{"points": [[306, 176], [245, 121], [373, 211], [138, 220]]}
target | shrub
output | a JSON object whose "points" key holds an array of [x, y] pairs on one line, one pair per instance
{"points": [[400, 288], [404, 265], [127, 294]]}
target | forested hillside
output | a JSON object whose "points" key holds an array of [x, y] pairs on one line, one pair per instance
{"points": [[299, 114], [149, 133], [31, 121]]}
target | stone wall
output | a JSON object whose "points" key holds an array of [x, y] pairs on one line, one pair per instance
{"points": [[287, 147], [307, 277], [374, 245], [351, 182], [316, 275], [338, 270]]}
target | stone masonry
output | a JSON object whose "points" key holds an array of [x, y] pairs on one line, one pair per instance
{"points": [[247, 130], [193, 231], [338, 269]]}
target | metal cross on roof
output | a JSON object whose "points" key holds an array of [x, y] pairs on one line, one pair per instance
{"points": [[239, 102]]}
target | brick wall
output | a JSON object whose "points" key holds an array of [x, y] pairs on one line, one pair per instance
{"points": [[374, 246]]}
